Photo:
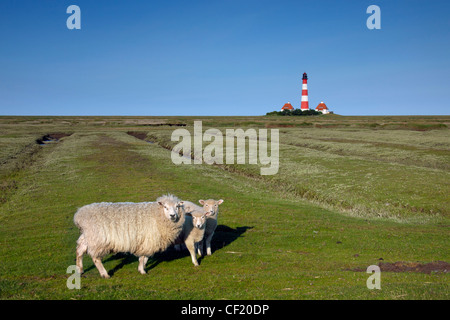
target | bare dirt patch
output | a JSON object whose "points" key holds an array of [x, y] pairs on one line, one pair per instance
{"points": [[401, 266]]}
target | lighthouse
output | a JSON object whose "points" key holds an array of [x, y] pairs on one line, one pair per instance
{"points": [[304, 105]]}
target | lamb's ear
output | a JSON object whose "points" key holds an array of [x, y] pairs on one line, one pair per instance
{"points": [[201, 201], [220, 201]]}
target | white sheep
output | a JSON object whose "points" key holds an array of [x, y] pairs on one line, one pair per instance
{"points": [[139, 228], [193, 231], [211, 207]]}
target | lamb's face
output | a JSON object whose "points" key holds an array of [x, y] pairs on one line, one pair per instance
{"points": [[172, 209], [199, 220], [211, 207]]}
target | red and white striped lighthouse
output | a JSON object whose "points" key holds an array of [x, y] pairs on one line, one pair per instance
{"points": [[304, 105]]}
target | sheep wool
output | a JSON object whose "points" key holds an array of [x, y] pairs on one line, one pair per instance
{"points": [[139, 228]]}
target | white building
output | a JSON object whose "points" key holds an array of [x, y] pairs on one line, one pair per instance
{"points": [[322, 107]]}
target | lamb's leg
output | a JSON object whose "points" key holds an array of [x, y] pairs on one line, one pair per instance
{"points": [[81, 250], [208, 243], [191, 247], [142, 262], [200, 248], [100, 267]]}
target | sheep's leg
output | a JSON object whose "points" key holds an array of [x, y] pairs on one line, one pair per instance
{"points": [[142, 262], [191, 247], [200, 247], [81, 250], [100, 267], [208, 243]]}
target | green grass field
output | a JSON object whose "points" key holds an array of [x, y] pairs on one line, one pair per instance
{"points": [[351, 192]]}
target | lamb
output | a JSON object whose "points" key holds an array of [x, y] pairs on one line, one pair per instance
{"points": [[192, 234], [139, 228], [211, 207]]}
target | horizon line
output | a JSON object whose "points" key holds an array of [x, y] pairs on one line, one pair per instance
{"points": [[119, 115]]}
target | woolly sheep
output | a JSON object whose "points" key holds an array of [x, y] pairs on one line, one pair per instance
{"points": [[139, 228], [193, 231]]}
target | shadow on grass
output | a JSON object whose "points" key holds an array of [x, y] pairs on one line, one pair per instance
{"points": [[223, 236]]}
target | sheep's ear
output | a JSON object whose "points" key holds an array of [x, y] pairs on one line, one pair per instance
{"points": [[201, 201], [220, 201]]}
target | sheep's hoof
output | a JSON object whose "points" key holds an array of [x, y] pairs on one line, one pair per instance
{"points": [[106, 276]]}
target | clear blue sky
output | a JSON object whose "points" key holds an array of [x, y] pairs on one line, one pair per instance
{"points": [[224, 57]]}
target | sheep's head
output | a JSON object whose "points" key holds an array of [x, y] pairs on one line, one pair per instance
{"points": [[172, 209], [198, 219], [211, 207]]}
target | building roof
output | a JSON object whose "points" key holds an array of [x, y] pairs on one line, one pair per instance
{"points": [[321, 106], [287, 106]]}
